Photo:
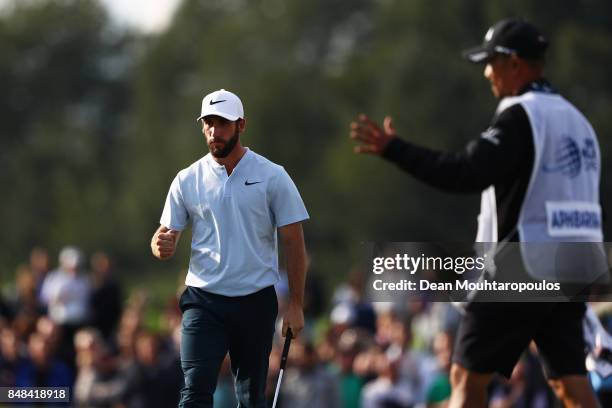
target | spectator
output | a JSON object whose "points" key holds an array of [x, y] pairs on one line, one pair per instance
{"points": [[429, 319], [99, 382], [386, 390], [5, 311], [11, 357], [416, 368], [59, 345], [25, 299], [24, 324], [153, 380], [42, 369], [66, 292], [129, 326], [39, 266], [307, 383], [367, 363], [403, 375], [326, 346], [105, 301], [439, 391], [351, 294], [351, 342]]}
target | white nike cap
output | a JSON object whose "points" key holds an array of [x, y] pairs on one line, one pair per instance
{"points": [[222, 103]]}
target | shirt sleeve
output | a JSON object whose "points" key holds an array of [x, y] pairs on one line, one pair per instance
{"points": [[492, 158], [174, 215], [286, 203]]}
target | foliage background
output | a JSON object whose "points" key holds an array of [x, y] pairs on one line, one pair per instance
{"points": [[95, 120]]}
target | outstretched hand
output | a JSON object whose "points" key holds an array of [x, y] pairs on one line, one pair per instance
{"points": [[374, 140]]}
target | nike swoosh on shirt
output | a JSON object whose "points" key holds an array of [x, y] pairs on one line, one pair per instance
{"points": [[491, 135], [246, 183]]}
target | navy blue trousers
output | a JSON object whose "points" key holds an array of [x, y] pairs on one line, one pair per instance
{"points": [[214, 325]]}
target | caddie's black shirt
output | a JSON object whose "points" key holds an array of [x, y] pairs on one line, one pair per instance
{"points": [[502, 156]]}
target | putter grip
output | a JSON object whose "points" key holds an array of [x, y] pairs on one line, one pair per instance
{"points": [[288, 338]]}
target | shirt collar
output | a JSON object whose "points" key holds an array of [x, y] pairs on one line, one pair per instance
{"points": [[539, 85], [221, 168]]}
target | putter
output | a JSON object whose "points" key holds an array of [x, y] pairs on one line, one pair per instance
{"points": [[282, 364]]}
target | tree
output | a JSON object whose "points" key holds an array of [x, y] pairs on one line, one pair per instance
{"points": [[64, 75]]}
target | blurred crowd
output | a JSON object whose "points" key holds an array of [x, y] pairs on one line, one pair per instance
{"points": [[386, 355], [72, 325]]}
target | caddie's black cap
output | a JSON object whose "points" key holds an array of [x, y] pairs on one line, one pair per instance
{"points": [[509, 36]]}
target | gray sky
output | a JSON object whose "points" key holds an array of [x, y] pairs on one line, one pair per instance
{"points": [[147, 15]]}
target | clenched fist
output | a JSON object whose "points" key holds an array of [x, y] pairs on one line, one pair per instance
{"points": [[163, 243]]}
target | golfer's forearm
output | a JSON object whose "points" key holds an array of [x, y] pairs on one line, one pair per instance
{"points": [[296, 271], [292, 237], [297, 277]]}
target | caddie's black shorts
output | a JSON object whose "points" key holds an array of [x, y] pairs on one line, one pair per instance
{"points": [[493, 335]]}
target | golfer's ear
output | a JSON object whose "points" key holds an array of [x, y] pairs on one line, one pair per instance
{"points": [[241, 123]]}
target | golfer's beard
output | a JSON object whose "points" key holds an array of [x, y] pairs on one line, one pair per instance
{"points": [[227, 147]]}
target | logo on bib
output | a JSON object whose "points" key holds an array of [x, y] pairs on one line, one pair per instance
{"points": [[570, 159]]}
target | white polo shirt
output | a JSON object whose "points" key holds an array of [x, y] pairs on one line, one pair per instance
{"points": [[234, 221]]}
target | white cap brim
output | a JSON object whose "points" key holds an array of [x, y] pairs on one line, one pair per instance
{"points": [[215, 113]]}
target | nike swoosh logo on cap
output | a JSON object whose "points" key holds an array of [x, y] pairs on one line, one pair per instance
{"points": [[216, 102]]}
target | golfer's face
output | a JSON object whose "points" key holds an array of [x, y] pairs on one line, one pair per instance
{"points": [[218, 132], [498, 72]]}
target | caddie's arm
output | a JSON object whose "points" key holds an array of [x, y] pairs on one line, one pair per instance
{"points": [[373, 139], [292, 237], [164, 242], [501, 152]]}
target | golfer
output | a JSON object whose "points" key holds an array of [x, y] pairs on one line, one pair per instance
{"points": [[538, 161], [235, 200]]}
